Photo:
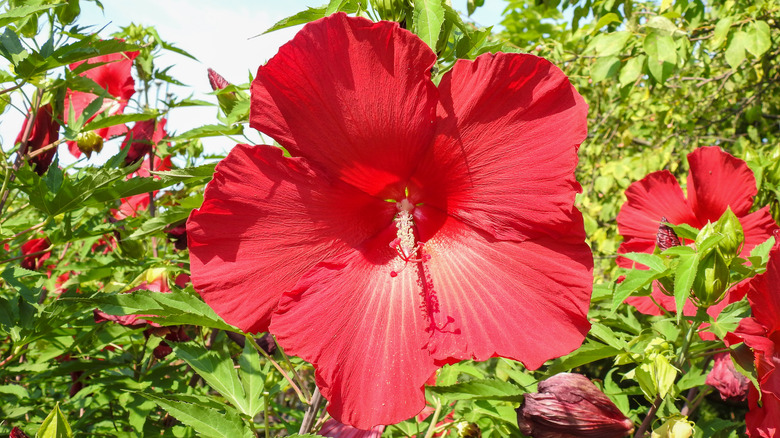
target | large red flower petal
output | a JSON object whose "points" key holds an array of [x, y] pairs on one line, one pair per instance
{"points": [[506, 147], [542, 288], [364, 331], [758, 227], [267, 220], [353, 96], [763, 421], [718, 180], [650, 199]]}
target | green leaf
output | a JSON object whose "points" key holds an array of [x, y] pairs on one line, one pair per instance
{"points": [[684, 231], [218, 371], [729, 318], [55, 425], [590, 351], [631, 71], [472, 5], [720, 33], [252, 378], [735, 51], [104, 121], [605, 68], [608, 44], [86, 48], [203, 418], [159, 223], [23, 11], [605, 20], [762, 250], [758, 41], [661, 55], [340, 5], [652, 261], [662, 24], [683, 280], [428, 19], [487, 389], [635, 279], [303, 17], [175, 308], [11, 47], [209, 131]]}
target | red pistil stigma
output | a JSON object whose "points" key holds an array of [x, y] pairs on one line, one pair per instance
{"points": [[393, 274]]}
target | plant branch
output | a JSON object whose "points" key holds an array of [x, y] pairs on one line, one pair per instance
{"points": [[278, 368], [311, 412]]}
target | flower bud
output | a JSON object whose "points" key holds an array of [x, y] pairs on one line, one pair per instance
{"points": [[89, 142], [724, 377], [666, 238], [712, 279], [706, 231], [733, 235], [226, 100], [468, 430], [568, 405], [675, 427], [18, 433]]}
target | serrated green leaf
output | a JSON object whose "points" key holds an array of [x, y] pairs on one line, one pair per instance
{"points": [[160, 222], [608, 44], [635, 279], [303, 17], [762, 250], [428, 20], [23, 11], [175, 308], [104, 121], [11, 47], [487, 389], [684, 231], [652, 261], [204, 419], [758, 40], [218, 371], [590, 351], [683, 280], [55, 425], [252, 378], [209, 131]]}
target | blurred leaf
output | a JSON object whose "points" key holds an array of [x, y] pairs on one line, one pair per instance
{"points": [[605, 20], [683, 280], [720, 33], [209, 131], [104, 121], [758, 40], [652, 261], [631, 71], [661, 55], [735, 51], [608, 44], [11, 47], [160, 222], [605, 68], [23, 11], [472, 5], [590, 351]]}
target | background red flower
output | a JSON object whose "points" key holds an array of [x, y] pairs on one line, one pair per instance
{"points": [[45, 130], [716, 181]]}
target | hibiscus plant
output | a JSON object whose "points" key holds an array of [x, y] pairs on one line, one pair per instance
{"points": [[563, 226]]}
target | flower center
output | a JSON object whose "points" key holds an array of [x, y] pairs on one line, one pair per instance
{"points": [[405, 243]]}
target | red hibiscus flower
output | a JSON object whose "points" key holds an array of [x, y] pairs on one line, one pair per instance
{"points": [[114, 76], [717, 181], [761, 332], [142, 138], [412, 226], [33, 250], [45, 130]]}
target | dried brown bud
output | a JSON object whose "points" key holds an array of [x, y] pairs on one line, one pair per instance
{"points": [[724, 377], [666, 237], [89, 142], [569, 405]]}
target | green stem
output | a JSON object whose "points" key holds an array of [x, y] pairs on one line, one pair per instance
{"points": [[278, 368], [434, 420], [265, 415], [292, 368]]}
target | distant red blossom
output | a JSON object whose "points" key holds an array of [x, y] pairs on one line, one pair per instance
{"points": [[144, 136], [31, 249], [45, 131], [717, 180], [332, 428], [729, 382], [406, 215], [113, 75], [761, 333]]}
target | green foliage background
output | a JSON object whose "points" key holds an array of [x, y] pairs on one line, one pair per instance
{"points": [[661, 79]]}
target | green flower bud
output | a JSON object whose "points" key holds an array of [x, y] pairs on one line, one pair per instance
{"points": [[712, 279], [733, 236], [675, 427], [706, 231], [89, 142]]}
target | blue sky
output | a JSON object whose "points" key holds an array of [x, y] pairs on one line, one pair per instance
{"points": [[219, 35]]}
